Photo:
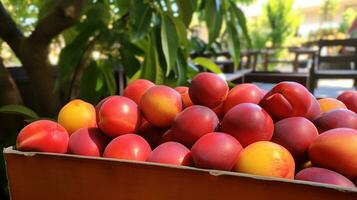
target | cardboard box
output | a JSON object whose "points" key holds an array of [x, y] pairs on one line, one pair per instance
{"points": [[48, 176]]}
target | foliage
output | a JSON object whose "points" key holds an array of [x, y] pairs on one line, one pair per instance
{"points": [[328, 10], [348, 16]]}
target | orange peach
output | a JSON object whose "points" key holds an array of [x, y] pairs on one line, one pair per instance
{"points": [[243, 93], [77, 114], [192, 123], [119, 115], [87, 142], [208, 89], [136, 89], [266, 158], [186, 101], [336, 149], [349, 98], [248, 123], [287, 99], [160, 104], [321, 175], [43, 136], [327, 104], [338, 118]]}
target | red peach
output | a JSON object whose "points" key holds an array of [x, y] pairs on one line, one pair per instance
{"points": [[248, 123], [295, 134], [219, 111], [119, 115], [172, 153], [216, 151], [314, 110], [98, 106], [287, 99], [208, 89], [87, 142], [43, 136], [192, 123], [136, 89], [321, 175], [160, 104], [349, 98], [129, 147], [336, 149], [243, 93], [186, 101], [338, 118], [151, 133], [168, 136]]}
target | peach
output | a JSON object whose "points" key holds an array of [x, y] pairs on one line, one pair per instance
{"points": [[129, 147], [168, 136], [336, 149], [43, 136], [243, 93], [248, 123], [314, 110], [87, 142], [208, 89], [287, 99], [295, 134], [136, 89], [119, 115], [266, 158], [192, 123], [98, 106], [219, 111], [327, 104], [349, 98], [77, 114], [216, 151], [172, 153], [160, 104], [321, 175], [186, 101], [338, 118], [151, 133]]}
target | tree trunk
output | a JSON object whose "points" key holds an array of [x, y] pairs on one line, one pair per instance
{"points": [[9, 92]]}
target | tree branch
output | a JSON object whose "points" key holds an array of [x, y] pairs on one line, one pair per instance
{"points": [[10, 94], [64, 15], [9, 32]]}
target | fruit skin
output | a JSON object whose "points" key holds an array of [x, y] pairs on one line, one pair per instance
{"points": [[129, 147], [160, 104], [349, 98], [192, 123], [208, 89], [216, 151], [99, 105], [248, 123], [119, 115], [168, 136], [287, 99], [186, 101], [295, 134], [87, 142], [136, 89], [328, 104], [321, 175], [172, 153], [314, 110], [219, 111], [338, 118], [243, 93], [43, 136], [266, 159], [151, 133], [77, 114], [336, 149]]}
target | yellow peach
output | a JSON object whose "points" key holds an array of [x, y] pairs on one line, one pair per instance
{"points": [[327, 104]]}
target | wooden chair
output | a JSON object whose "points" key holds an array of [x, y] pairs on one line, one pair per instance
{"points": [[336, 63]]}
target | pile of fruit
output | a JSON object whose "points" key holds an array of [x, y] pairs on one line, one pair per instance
{"points": [[285, 132]]}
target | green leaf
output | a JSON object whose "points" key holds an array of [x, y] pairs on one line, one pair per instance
{"points": [[233, 43], [208, 64], [186, 9], [169, 41], [242, 21], [19, 109], [129, 61], [89, 90], [181, 31], [108, 75], [181, 68], [213, 18], [151, 68], [140, 19]]}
